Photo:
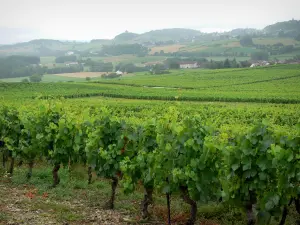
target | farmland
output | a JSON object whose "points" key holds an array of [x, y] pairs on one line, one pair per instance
{"points": [[204, 136], [166, 49]]}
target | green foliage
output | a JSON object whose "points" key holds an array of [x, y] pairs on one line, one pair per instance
{"points": [[36, 136], [168, 35], [246, 41], [130, 68], [126, 36], [122, 49], [10, 129], [99, 66], [159, 69], [260, 167], [173, 151], [18, 66], [290, 28], [66, 69], [227, 64], [106, 146], [110, 75], [25, 80], [259, 56], [265, 84], [35, 78], [138, 168], [68, 58], [186, 157]]}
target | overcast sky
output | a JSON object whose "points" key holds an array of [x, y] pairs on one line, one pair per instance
{"points": [[23, 20]]}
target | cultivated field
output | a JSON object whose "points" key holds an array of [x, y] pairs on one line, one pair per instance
{"points": [[272, 41], [202, 140], [166, 49]]}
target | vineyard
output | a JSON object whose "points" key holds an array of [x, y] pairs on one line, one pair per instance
{"points": [[262, 85], [218, 152], [176, 152], [204, 78]]}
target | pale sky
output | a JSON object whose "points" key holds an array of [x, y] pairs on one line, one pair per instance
{"points": [[91, 19]]}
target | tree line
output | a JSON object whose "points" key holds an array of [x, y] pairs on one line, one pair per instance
{"points": [[18, 66], [123, 49]]}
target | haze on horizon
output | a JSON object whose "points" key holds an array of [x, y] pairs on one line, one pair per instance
{"points": [[94, 19]]}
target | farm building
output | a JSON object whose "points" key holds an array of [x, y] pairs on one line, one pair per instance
{"points": [[69, 53], [263, 63], [71, 63], [119, 72], [187, 65]]}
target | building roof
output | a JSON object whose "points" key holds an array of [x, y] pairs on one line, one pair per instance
{"points": [[188, 62], [152, 63]]}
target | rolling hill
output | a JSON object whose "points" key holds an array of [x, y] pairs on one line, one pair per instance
{"points": [[125, 37], [167, 40], [174, 34], [289, 28]]}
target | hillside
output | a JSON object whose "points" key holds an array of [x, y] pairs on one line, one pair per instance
{"points": [[174, 34], [101, 41], [287, 28], [125, 37], [175, 42], [243, 31], [41, 47]]}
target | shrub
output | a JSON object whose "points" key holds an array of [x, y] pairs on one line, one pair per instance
{"points": [[110, 75], [25, 80], [35, 78]]}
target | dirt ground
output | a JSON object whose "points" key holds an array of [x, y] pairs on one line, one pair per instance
{"points": [[26, 207], [166, 49]]}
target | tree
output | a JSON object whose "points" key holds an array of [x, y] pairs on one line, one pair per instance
{"points": [[227, 63], [68, 58], [297, 57], [259, 56], [158, 69], [121, 49], [246, 41], [18, 66], [35, 78], [234, 64], [297, 38], [25, 80], [87, 78]]}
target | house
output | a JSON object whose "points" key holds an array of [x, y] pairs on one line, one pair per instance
{"points": [[119, 72], [69, 53], [72, 64], [262, 63], [188, 65]]}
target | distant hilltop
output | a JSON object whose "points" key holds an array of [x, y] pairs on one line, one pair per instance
{"points": [[289, 28]]}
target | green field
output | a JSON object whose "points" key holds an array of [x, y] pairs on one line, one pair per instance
{"points": [[202, 78], [46, 78], [268, 84], [272, 41], [208, 138]]}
